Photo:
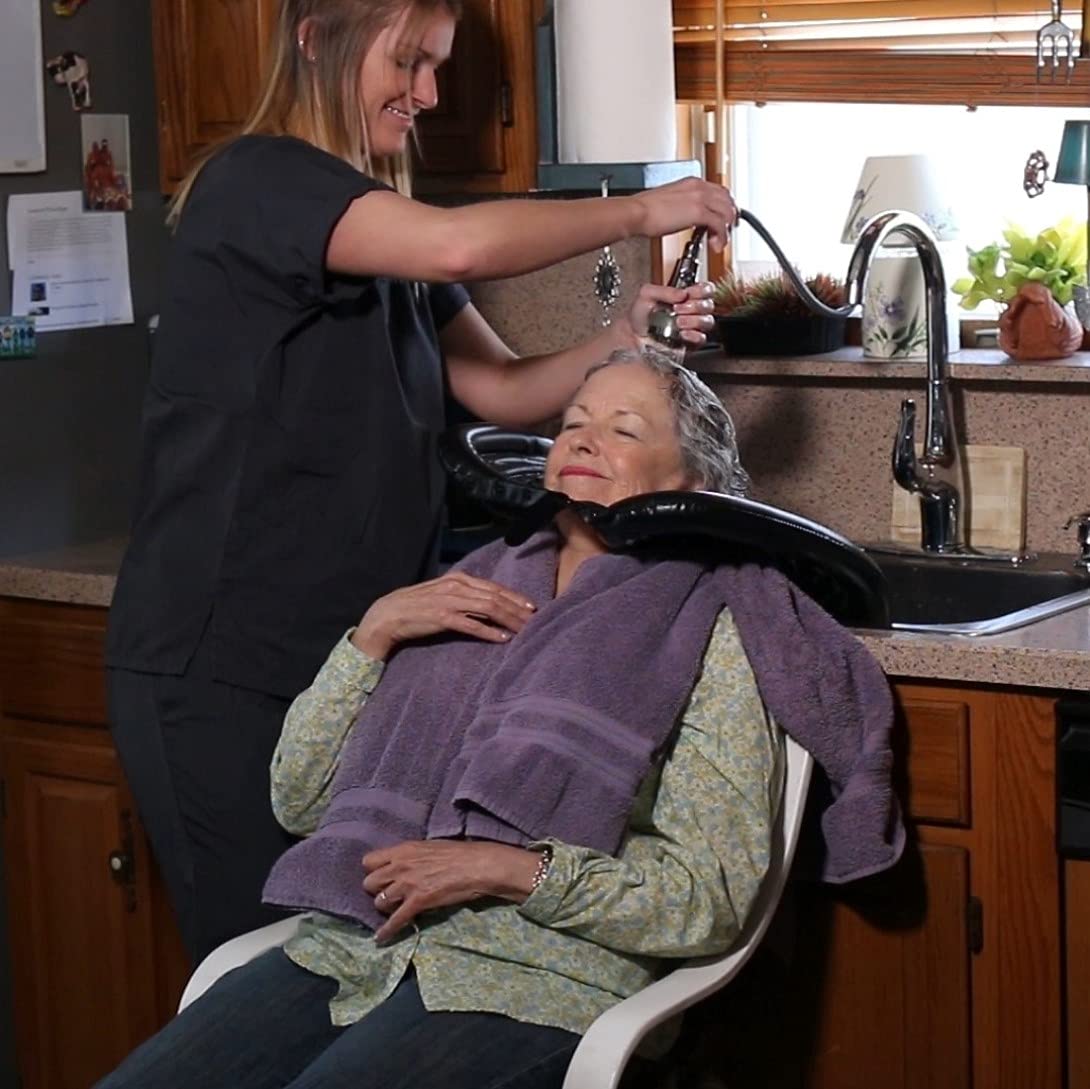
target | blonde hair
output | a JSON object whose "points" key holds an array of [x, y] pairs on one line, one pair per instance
{"points": [[318, 100]]}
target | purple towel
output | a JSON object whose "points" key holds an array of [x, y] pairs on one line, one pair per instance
{"points": [[552, 733], [825, 689]]}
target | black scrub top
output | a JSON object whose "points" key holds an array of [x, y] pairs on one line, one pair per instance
{"points": [[288, 470]]}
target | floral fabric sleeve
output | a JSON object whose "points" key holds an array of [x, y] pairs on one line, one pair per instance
{"points": [[315, 728], [698, 845]]}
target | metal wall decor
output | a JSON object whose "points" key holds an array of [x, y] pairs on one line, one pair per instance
{"points": [[1035, 174], [607, 275]]}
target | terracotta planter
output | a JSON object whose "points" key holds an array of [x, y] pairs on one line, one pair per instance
{"points": [[1035, 326]]}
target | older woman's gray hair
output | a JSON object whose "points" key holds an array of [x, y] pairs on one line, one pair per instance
{"points": [[709, 445]]}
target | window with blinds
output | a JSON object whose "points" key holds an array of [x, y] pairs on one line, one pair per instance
{"points": [[958, 52]]}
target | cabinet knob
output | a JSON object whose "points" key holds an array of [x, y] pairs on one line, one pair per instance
{"points": [[120, 863]]}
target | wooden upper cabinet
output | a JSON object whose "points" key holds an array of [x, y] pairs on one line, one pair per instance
{"points": [[210, 54], [482, 137]]}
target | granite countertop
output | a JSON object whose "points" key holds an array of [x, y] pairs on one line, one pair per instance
{"points": [[79, 575], [972, 365], [1053, 653]]}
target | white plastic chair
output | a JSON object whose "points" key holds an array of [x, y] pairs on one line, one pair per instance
{"points": [[600, 1058]]}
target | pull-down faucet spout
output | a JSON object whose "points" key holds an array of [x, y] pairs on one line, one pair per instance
{"points": [[938, 476]]}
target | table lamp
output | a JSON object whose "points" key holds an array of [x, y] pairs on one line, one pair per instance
{"points": [[895, 303], [1073, 168]]}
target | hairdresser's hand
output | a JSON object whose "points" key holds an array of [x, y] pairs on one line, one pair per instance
{"points": [[687, 203], [693, 305], [453, 602], [420, 875]]}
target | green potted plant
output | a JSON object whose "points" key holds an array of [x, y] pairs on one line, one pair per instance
{"points": [[766, 316], [1035, 285]]}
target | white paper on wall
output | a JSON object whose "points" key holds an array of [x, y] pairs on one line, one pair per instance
{"points": [[70, 268], [22, 111]]}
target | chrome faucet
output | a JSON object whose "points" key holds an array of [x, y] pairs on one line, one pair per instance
{"points": [[938, 477]]}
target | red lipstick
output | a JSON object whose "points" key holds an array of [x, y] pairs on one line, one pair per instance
{"points": [[579, 470]]}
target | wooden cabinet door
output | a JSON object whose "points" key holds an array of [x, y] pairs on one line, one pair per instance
{"points": [[79, 906], [482, 136], [882, 979], [209, 55], [464, 133]]}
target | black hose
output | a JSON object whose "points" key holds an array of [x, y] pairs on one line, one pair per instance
{"points": [[807, 296]]}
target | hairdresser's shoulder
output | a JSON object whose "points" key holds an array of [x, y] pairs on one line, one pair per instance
{"points": [[261, 159]]}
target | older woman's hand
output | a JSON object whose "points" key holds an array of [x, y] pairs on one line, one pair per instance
{"points": [[453, 602], [420, 875], [693, 305]]}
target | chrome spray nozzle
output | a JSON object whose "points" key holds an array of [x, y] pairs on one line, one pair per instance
{"points": [[662, 322]]}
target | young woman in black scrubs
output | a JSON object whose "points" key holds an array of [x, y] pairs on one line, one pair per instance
{"points": [[311, 322]]}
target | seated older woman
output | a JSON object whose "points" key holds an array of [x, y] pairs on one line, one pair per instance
{"points": [[524, 785]]}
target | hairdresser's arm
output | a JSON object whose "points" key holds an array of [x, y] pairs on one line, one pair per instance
{"points": [[314, 733], [385, 234], [495, 385]]}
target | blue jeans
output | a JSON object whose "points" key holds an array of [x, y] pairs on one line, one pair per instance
{"points": [[266, 1026]]}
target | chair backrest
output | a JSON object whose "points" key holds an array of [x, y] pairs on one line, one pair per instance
{"points": [[600, 1059]]}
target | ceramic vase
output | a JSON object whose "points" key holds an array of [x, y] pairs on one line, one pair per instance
{"points": [[1035, 326], [894, 323]]}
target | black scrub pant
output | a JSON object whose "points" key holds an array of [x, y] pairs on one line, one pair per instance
{"points": [[196, 754]]}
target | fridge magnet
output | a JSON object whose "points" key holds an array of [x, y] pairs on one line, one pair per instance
{"points": [[107, 180], [67, 7], [17, 339], [72, 70]]}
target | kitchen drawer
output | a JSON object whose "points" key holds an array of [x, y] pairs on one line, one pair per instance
{"points": [[52, 661], [933, 757]]}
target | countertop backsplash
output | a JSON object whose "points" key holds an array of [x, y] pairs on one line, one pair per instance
{"points": [[819, 439], [555, 307]]}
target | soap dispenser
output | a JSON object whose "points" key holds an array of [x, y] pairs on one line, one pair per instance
{"points": [[662, 324]]}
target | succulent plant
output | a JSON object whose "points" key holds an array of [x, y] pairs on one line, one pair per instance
{"points": [[773, 295], [1056, 258]]}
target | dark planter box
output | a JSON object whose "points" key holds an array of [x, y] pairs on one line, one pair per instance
{"points": [[779, 336]]}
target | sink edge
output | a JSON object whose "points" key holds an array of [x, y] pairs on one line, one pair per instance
{"points": [[998, 625]]}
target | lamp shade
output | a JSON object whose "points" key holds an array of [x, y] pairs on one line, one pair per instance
{"points": [[1073, 166], [907, 183]]}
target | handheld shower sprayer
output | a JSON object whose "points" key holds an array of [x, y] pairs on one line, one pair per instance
{"points": [[662, 322]]}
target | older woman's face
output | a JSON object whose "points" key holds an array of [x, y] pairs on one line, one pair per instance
{"points": [[618, 439]]}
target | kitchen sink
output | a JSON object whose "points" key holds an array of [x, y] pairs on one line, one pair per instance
{"points": [[971, 596]]}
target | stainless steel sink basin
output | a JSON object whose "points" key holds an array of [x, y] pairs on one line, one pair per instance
{"points": [[978, 597]]}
